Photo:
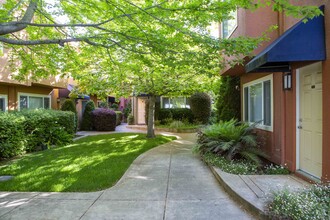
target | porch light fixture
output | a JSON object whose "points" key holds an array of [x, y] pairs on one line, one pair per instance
{"points": [[287, 81]]}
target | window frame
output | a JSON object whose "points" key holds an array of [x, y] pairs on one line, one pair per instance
{"points": [[6, 101], [171, 98], [252, 83], [19, 94], [234, 28]]}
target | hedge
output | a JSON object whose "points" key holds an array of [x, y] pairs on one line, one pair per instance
{"points": [[104, 119], [32, 130], [177, 114], [69, 105], [12, 135]]}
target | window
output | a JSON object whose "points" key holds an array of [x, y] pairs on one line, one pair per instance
{"points": [[228, 26], [177, 102], [3, 103], [33, 101], [258, 102]]}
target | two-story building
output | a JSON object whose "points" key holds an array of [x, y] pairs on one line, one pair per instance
{"points": [[286, 86], [15, 95]]}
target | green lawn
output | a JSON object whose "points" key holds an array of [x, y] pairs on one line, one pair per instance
{"points": [[89, 164]]}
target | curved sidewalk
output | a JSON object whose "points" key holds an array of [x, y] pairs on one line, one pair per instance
{"points": [[167, 182]]}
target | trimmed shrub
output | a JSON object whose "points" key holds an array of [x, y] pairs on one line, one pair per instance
{"points": [[130, 119], [69, 105], [104, 119], [12, 135], [200, 105], [44, 128], [119, 117], [86, 124], [178, 114]]}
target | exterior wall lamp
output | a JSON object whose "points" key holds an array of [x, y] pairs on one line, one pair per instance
{"points": [[287, 81]]}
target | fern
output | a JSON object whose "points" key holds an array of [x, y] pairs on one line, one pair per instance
{"points": [[232, 140]]}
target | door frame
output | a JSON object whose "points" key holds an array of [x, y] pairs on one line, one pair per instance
{"points": [[297, 119]]}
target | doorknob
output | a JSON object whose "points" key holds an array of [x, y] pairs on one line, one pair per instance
{"points": [[299, 127]]}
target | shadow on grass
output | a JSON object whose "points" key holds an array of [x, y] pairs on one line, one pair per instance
{"points": [[89, 164]]}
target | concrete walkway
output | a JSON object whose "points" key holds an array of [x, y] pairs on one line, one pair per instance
{"points": [[167, 182]]}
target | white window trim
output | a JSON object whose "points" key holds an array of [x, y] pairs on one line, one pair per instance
{"points": [[170, 98], [6, 101], [261, 80], [19, 94], [235, 27]]}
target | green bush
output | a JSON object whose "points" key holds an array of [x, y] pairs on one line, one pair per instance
{"points": [[86, 124], [12, 136], [32, 130], [177, 114], [44, 128], [104, 105], [232, 140], [119, 117], [311, 203], [177, 124], [200, 105], [228, 103], [130, 119], [114, 106], [127, 110], [69, 105], [104, 119]]}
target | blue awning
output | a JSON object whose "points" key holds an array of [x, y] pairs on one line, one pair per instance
{"points": [[302, 42]]}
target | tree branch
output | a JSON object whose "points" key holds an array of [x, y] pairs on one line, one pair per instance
{"points": [[40, 42], [11, 27]]}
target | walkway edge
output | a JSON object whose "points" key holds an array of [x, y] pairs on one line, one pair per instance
{"points": [[227, 180]]}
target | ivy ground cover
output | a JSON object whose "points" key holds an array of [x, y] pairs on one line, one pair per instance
{"points": [[89, 164]]}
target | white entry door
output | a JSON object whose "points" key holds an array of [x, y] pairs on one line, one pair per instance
{"points": [[141, 106], [310, 120]]}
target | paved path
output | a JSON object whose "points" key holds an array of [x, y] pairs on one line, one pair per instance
{"points": [[167, 182]]}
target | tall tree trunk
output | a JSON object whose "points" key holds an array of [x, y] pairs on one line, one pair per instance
{"points": [[151, 115]]}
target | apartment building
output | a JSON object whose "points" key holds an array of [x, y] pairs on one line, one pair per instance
{"points": [[286, 86]]}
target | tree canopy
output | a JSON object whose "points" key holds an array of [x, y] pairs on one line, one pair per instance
{"points": [[57, 36], [159, 47]]}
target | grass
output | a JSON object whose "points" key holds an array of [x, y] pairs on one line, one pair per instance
{"points": [[89, 164]]}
